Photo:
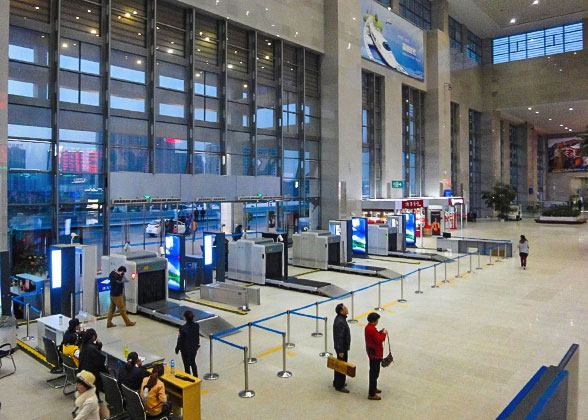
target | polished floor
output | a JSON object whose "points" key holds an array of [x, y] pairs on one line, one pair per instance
{"points": [[461, 351]]}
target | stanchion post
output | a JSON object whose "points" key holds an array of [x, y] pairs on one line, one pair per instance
{"points": [[434, 286], [445, 271], [379, 307], [352, 320], [289, 344], [316, 333], [28, 337], [490, 256], [211, 376], [458, 270], [250, 360], [326, 352], [479, 267], [470, 270], [419, 291], [284, 373], [246, 393], [402, 300]]}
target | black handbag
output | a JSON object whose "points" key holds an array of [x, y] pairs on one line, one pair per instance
{"points": [[386, 361]]}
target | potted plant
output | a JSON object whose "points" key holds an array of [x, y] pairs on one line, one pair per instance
{"points": [[499, 198]]}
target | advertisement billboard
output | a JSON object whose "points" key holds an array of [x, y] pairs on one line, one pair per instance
{"points": [[392, 41], [359, 235], [410, 228], [173, 253], [565, 155]]}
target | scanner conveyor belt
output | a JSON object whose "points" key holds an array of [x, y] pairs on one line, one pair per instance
{"points": [[304, 285], [173, 313], [424, 256]]}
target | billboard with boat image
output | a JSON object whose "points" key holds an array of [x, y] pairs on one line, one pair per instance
{"points": [[392, 41]]}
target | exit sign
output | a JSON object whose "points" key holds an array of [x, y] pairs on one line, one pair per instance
{"points": [[397, 184]]}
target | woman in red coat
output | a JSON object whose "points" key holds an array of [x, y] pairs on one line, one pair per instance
{"points": [[374, 340]]}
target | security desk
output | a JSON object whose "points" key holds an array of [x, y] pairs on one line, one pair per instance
{"points": [[48, 326], [115, 352], [184, 395], [463, 246]]}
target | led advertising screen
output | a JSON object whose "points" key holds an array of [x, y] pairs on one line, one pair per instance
{"points": [[207, 249], [56, 268], [565, 155], [172, 253], [410, 228], [335, 229], [392, 41], [359, 235]]}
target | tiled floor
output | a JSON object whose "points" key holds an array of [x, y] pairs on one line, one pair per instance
{"points": [[462, 351]]}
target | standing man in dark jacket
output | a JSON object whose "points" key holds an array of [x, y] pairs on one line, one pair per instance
{"points": [[342, 339], [117, 300], [189, 342]]}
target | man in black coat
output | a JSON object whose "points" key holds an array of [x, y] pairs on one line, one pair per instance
{"points": [[189, 342], [342, 339]]}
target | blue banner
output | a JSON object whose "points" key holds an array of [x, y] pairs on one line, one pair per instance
{"points": [[391, 40]]}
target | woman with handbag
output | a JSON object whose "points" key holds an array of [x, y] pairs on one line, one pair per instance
{"points": [[374, 340]]}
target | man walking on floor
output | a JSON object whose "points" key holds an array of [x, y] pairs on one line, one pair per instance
{"points": [[342, 339], [117, 286]]}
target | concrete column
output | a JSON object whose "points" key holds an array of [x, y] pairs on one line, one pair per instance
{"points": [[4, 11], [341, 111], [463, 176], [392, 137], [439, 15], [531, 164], [505, 152], [437, 115], [490, 150]]}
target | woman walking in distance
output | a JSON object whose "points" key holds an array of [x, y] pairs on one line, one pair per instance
{"points": [[523, 247]]}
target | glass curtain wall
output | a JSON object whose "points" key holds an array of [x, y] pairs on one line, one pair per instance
{"points": [[413, 140], [455, 187], [83, 104], [475, 164], [371, 141]]}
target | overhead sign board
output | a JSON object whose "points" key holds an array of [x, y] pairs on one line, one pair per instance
{"points": [[391, 40], [412, 204]]}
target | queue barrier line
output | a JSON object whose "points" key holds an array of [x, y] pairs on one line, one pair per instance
{"points": [[269, 317], [308, 316], [229, 343], [267, 329], [229, 331]]}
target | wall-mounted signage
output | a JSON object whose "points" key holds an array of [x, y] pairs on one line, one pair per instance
{"points": [[391, 40], [412, 204]]}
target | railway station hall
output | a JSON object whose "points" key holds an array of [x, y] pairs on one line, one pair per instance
{"points": [[293, 209]]}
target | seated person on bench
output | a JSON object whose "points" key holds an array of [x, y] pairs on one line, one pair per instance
{"points": [[153, 393], [71, 348], [132, 373]]}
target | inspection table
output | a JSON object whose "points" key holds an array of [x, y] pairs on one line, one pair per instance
{"points": [[49, 326], [464, 245], [115, 352]]}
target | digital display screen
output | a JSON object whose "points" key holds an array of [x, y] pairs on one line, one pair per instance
{"points": [[56, 268], [335, 229], [410, 228], [207, 249], [172, 253], [359, 235]]}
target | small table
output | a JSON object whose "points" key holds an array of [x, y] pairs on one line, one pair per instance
{"points": [[115, 352], [49, 326], [184, 395]]}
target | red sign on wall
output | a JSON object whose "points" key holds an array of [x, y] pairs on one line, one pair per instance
{"points": [[412, 204]]}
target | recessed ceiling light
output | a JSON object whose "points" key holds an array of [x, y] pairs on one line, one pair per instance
{"points": [[207, 39], [266, 9], [36, 7], [134, 12], [93, 31], [535, 2], [245, 85], [230, 66], [78, 18], [561, 125], [127, 15], [64, 45], [139, 62], [571, 109], [566, 128], [89, 11], [536, 112], [353, 18], [247, 13], [139, 33], [267, 57], [170, 50], [570, 129], [389, 8], [550, 119], [513, 20], [530, 108]]}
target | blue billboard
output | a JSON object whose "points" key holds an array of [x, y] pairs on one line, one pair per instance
{"points": [[410, 233], [359, 235], [391, 40], [173, 254]]}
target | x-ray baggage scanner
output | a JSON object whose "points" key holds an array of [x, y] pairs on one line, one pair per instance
{"points": [[147, 291]]}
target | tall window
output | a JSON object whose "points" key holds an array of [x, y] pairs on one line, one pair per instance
{"points": [[417, 11], [455, 188], [475, 164], [413, 140], [550, 41], [455, 34], [371, 141], [474, 47], [28, 69]]}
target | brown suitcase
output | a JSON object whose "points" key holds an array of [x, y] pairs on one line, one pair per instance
{"points": [[341, 366]]}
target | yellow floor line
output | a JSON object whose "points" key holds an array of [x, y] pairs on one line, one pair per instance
{"points": [[290, 353], [366, 314], [33, 352], [390, 304], [305, 273], [404, 306], [216, 306], [265, 353], [391, 312], [361, 324]]}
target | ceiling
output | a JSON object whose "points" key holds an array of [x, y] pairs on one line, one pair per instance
{"points": [[560, 113], [491, 18]]}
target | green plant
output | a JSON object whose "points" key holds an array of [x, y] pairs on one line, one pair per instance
{"points": [[561, 211], [499, 198], [30, 261]]}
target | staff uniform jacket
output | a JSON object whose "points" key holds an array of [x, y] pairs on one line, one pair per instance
{"points": [[93, 360], [133, 378], [188, 339], [373, 342], [87, 406], [155, 398], [341, 334]]}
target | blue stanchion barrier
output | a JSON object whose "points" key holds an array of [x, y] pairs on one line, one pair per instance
{"points": [[230, 330], [269, 317], [229, 343], [78, 293], [308, 316], [304, 307], [268, 329], [329, 300], [393, 279], [17, 300]]}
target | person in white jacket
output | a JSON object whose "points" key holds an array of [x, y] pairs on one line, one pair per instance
{"points": [[523, 247], [86, 400]]}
